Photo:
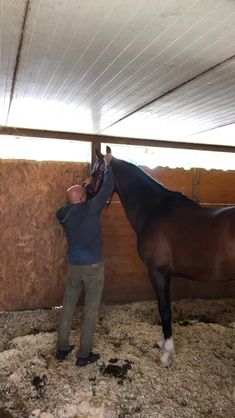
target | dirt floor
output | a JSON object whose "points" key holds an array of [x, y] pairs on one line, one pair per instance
{"points": [[128, 380]]}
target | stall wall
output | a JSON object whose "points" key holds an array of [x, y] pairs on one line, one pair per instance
{"points": [[32, 244], [33, 247]]}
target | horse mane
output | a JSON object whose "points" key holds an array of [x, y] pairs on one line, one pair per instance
{"points": [[147, 189], [142, 176]]}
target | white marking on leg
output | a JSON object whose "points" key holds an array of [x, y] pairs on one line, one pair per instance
{"points": [[169, 345], [167, 352], [165, 358]]}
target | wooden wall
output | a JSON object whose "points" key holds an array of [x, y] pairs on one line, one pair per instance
{"points": [[33, 246]]}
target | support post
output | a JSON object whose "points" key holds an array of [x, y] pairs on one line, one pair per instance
{"points": [[95, 145]]}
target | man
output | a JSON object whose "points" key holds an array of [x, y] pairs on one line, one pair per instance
{"points": [[81, 222]]}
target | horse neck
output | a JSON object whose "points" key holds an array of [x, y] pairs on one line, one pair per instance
{"points": [[139, 193]]}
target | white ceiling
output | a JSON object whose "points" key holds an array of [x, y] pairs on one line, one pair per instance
{"points": [[159, 69]]}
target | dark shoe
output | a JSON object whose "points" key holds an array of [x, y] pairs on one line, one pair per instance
{"points": [[62, 354], [83, 361]]}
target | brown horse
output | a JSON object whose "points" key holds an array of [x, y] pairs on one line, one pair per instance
{"points": [[175, 236]]}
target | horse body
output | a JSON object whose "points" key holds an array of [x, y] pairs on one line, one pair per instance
{"points": [[175, 236], [192, 242]]}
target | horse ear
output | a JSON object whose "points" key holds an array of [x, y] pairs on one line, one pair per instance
{"points": [[99, 154], [108, 150]]}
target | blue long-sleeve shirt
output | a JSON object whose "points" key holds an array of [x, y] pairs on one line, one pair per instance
{"points": [[81, 223]]}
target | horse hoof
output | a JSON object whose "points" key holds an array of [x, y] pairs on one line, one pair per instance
{"points": [[165, 359]]}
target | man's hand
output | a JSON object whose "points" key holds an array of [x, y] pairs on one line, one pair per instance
{"points": [[108, 158]]}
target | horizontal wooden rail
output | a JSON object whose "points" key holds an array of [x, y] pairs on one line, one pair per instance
{"points": [[74, 136]]}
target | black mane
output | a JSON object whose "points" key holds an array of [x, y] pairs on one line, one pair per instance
{"points": [[143, 183]]}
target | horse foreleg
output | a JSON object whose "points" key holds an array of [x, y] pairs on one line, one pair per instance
{"points": [[161, 285]]}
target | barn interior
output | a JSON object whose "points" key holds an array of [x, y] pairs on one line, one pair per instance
{"points": [[155, 80]]}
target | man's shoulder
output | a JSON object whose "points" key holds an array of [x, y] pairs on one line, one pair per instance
{"points": [[70, 210]]}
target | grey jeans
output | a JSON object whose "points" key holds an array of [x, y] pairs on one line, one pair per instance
{"points": [[89, 278]]}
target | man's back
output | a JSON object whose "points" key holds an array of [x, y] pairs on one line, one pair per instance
{"points": [[81, 222]]}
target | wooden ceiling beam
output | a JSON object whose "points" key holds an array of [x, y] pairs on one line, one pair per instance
{"points": [[73, 136]]}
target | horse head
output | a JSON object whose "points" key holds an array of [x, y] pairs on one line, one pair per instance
{"points": [[94, 184]]}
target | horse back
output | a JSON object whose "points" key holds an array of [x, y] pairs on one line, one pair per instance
{"points": [[191, 241]]}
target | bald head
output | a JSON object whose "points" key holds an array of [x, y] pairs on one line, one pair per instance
{"points": [[76, 194]]}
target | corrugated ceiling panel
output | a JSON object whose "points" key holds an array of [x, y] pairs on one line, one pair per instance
{"points": [[207, 46], [85, 65], [11, 21], [202, 104], [224, 135], [59, 54]]}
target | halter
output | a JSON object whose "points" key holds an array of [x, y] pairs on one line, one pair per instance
{"points": [[97, 176], [96, 180]]}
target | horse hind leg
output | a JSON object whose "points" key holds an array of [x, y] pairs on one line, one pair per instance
{"points": [[161, 285]]}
